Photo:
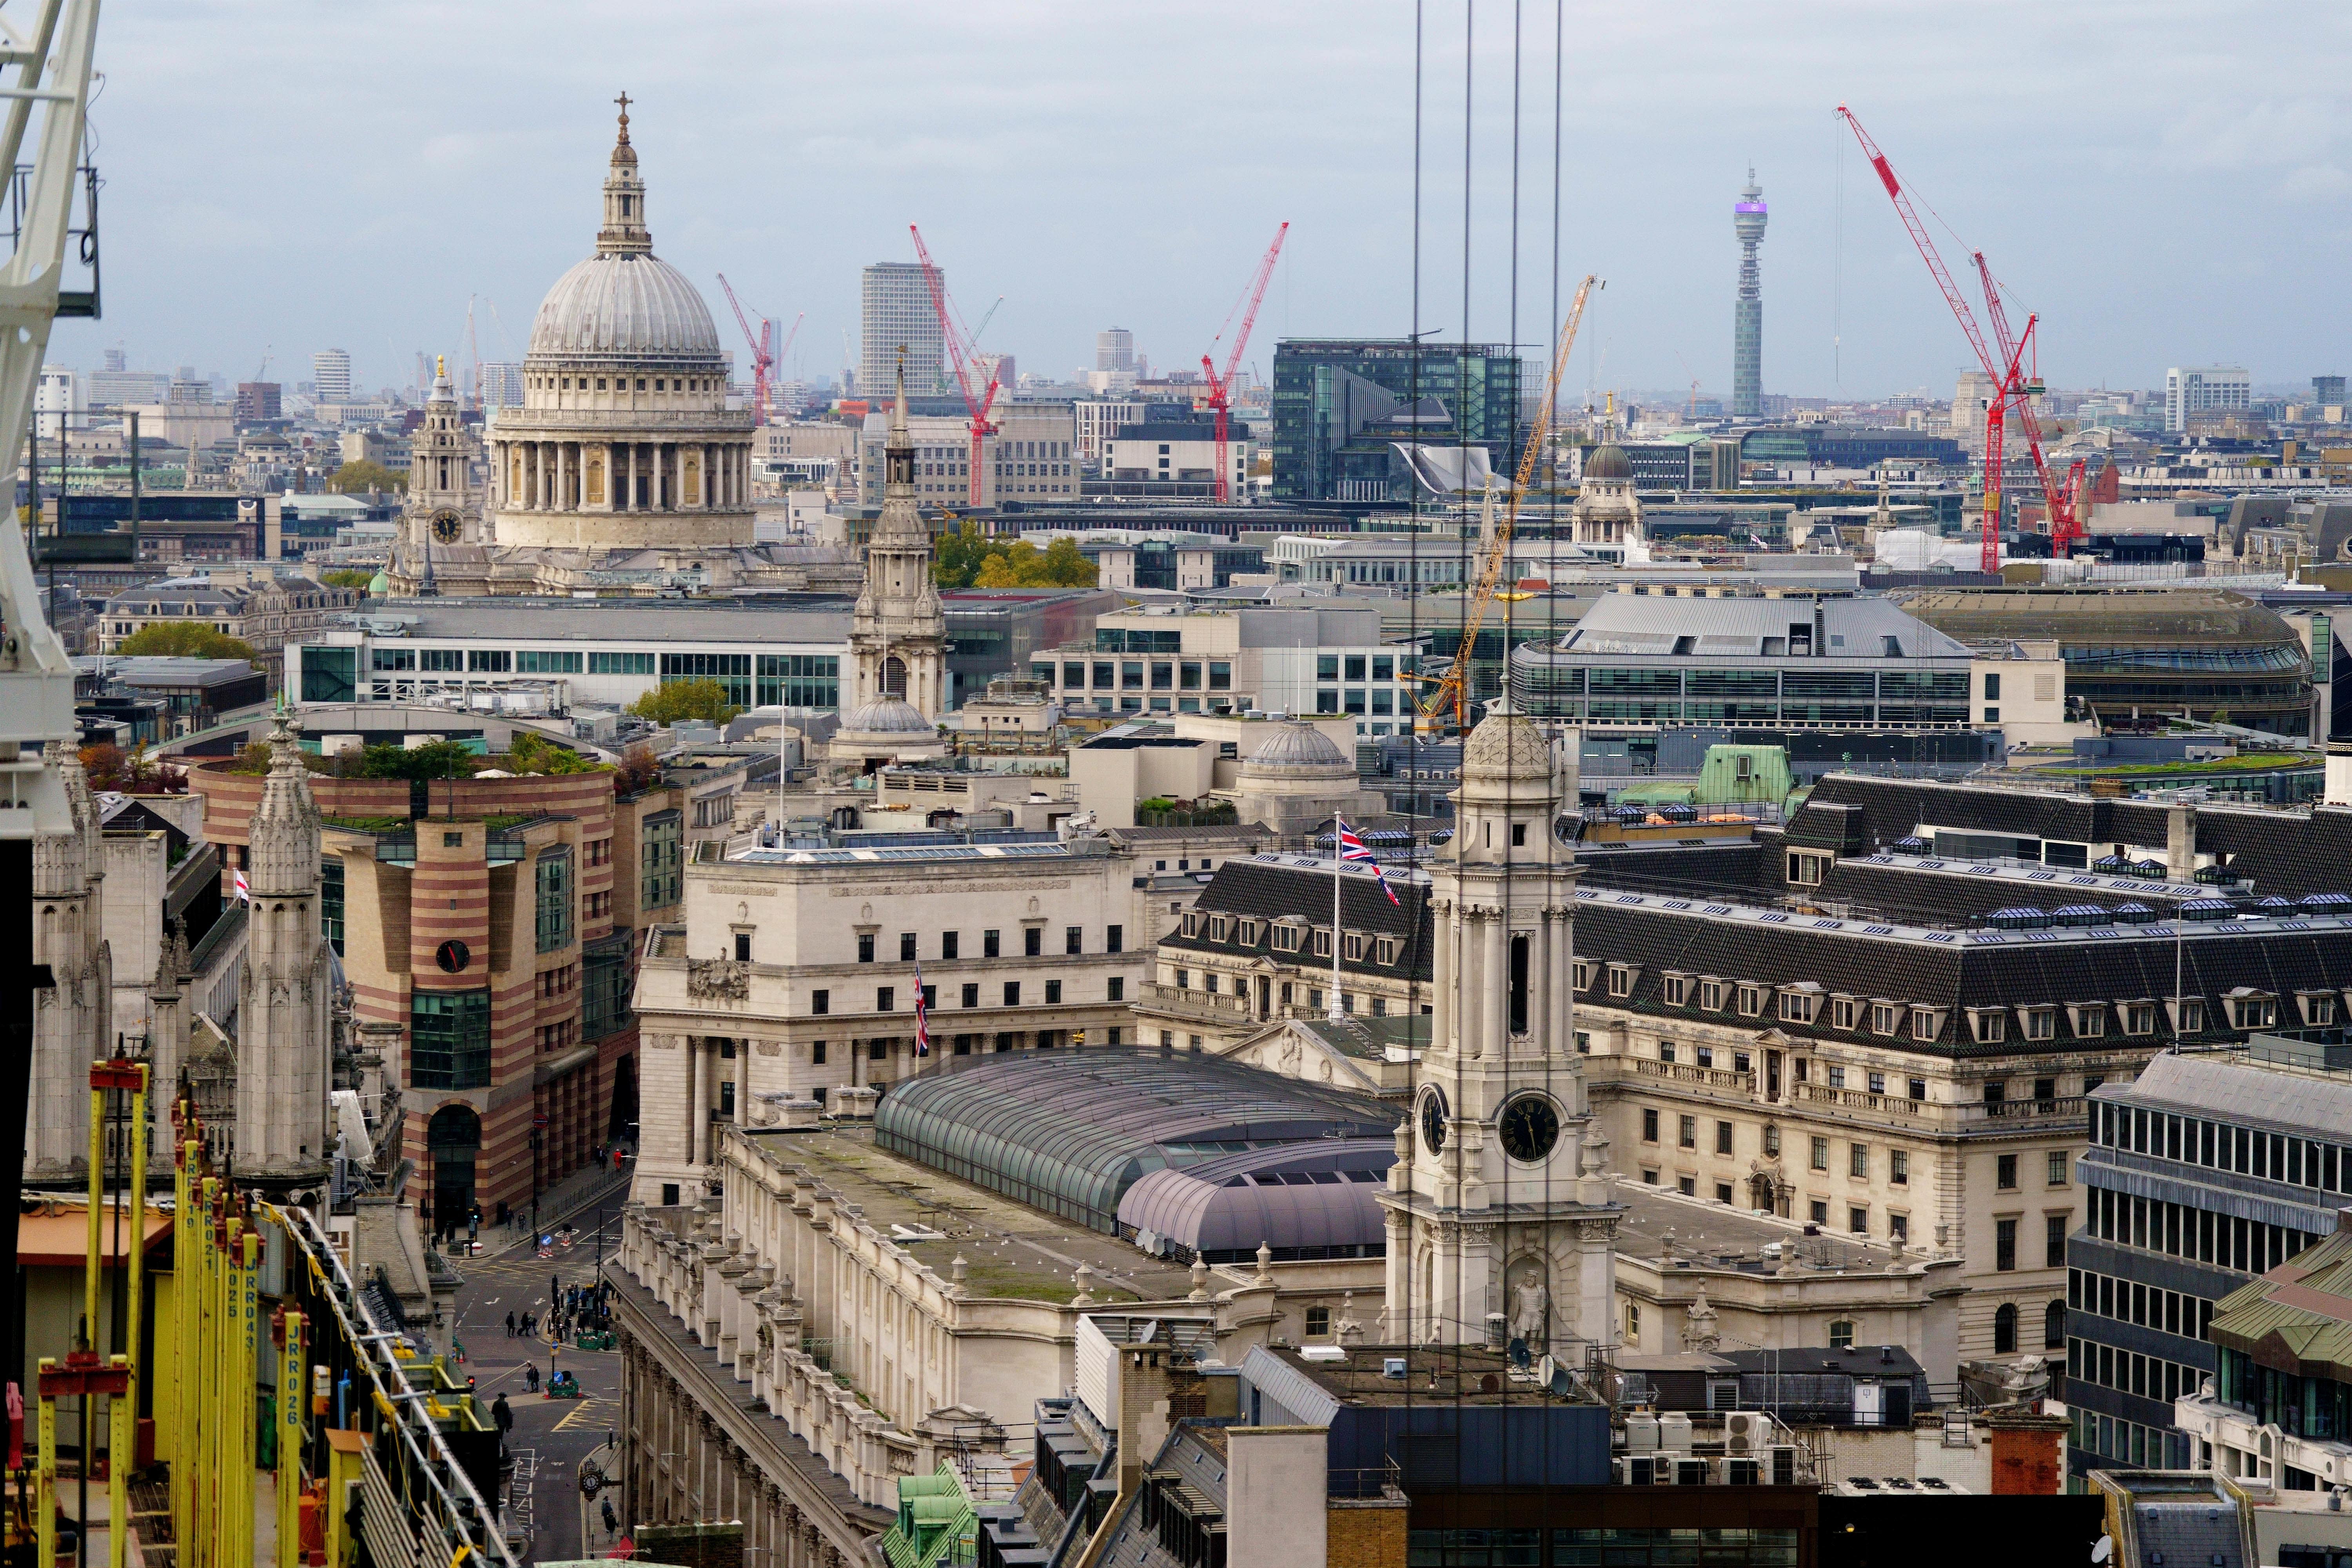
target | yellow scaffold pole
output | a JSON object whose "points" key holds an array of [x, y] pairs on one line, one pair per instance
{"points": [[292, 1395], [117, 1466], [185, 1267]]}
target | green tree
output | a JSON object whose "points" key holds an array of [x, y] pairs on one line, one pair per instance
{"points": [[1063, 567], [958, 556], [348, 579], [356, 478], [1020, 565], [531, 752], [701, 698], [183, 640], [433, 759]]}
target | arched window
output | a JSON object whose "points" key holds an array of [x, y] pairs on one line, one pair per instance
{"points": [[2004, 1330], [2053, 1326]]}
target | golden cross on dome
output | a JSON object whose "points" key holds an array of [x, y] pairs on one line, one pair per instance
{"points": [[623, 102]]}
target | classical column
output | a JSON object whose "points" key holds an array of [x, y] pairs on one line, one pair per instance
{"points": [[1442, 1003], [701, 496], [629, 495], [699, 1100], [1495, 984], [1557, 982]]}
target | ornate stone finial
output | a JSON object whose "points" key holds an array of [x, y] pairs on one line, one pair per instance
{"points": [[1200, 1278], [1347, 1330], [1699, 1331], [1265, 1264], [958, 1272], [1086, 1279], [440, 367], [623, 102]]}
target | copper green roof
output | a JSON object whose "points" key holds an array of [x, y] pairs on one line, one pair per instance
{"points": [[2298, 1317]]}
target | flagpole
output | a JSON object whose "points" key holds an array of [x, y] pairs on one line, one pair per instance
{"points": [[1339, 830]]}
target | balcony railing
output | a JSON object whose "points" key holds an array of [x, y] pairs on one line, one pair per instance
{"points": [[2061, 1108], [1860, 1100], [1742, 1084], [1196, 1004]]}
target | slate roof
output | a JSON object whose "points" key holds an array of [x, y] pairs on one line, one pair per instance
{"points": [[1951, 970], [1930, 887], [1271, 887]]}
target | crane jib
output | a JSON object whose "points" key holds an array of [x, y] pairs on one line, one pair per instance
{"points": [[1885, 174]]}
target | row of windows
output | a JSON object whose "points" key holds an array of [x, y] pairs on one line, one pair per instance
{"points": [[2129, 1443], [674, 383], [2145, 1306], [1138, 675], [2129, 1372], [2155, 1225], [992, 943], [885, 997], [1803, 1001], [1288, 935], [2216, 1146]]}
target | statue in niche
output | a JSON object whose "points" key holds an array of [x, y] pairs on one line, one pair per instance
{"points": [[1531, 1304]]}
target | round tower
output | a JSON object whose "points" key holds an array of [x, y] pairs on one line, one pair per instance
{"points": [[1748, 218]]}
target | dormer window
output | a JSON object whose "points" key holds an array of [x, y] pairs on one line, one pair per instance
{"points": [[2187, 1014], [1799, 1006], [2039, 1023], [1846, 1013], [1355, 949], [2319, 1007], [2139, 1017], [1710, 994], [1990, 1024], [1192, 922], [1322, 942], [1807, 869], [1220, 928], [2088, 1020], [1674, 989], [1249, 934], [2251, 1009], [1926, 1023], [1583, 975], [1751, 1001], [1287, 938], [1885, 1018], [1384, 952], [1622, 977]]}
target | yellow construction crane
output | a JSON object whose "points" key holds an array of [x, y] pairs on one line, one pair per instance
{"points": [[1452, 689]]}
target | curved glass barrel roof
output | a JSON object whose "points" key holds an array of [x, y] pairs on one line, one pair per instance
{"points": [[1305, 1200], [1070, 1131]]}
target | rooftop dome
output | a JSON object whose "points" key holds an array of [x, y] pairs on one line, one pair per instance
{"points": [[624, 306], [1506, 746], [1609, 461], [624, 302], [1297, 747], [886, 716]]}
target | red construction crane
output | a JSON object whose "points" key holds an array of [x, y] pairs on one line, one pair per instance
{"points": [[762, 359], [1219, 381], [961, 354], [2065, 528], [2003, 366]]}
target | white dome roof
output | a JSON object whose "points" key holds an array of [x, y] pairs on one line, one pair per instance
{"points": [[1293, 747], [886, 716], [626, 306]]}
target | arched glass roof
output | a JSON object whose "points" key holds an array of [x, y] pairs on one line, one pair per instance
{"points": [[1300, 1197], [1070, 1131]]}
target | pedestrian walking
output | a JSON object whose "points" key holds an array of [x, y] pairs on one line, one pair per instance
{"points": [[511, 1325], [530, 1376], [502, 1414]]}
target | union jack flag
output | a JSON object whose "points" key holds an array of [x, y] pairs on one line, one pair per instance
{"points": [[922, 1015], [1352, 848]]}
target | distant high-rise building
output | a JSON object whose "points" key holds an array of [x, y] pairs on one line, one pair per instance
{"points": [[1341, 407], [113, 386], [2327, 390], [895, 313], [1115, 349], [501, 384], [2191, 390], [259, 400], [1972, 399], [1747, 315], [997, 366], [56, 401], [114, 359], [333, 370]]}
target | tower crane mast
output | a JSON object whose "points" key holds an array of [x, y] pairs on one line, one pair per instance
{"points": [[960, 355], [1453, 687], [1220, 381], [762, 359]]}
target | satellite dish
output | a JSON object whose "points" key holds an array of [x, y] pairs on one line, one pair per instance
{"points": [[2105, 1550]]}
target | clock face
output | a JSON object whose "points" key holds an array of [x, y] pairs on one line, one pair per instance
{"points": [[1432, 1119], [1530, 1126], [446, 526], [453, 955]]}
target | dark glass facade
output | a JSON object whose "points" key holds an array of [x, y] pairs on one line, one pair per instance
{"points": [[1339, 405], [449, 1039]]}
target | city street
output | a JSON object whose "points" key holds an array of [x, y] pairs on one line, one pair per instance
{"points": [[550, 1437]]}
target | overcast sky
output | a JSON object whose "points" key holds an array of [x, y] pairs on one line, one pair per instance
{"points": [[2165, 182]]}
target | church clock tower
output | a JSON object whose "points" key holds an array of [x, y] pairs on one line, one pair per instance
{"points": [[898, 633], [443, 510], [1499, 1215]]}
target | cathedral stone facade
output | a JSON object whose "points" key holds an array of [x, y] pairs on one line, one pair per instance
{"points": [[624, 439]]}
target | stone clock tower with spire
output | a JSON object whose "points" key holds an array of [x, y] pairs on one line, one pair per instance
{"points": [[441, 527], [1499, 1214], [898, 633], [283, 1039]]}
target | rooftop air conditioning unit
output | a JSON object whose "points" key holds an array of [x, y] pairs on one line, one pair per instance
{"points": [[1690, 1471], [1745, 1431], [1781, 1464], [1743, 1472]]}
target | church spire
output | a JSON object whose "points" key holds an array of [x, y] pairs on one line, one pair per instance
{"points": [[625, 232]]}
